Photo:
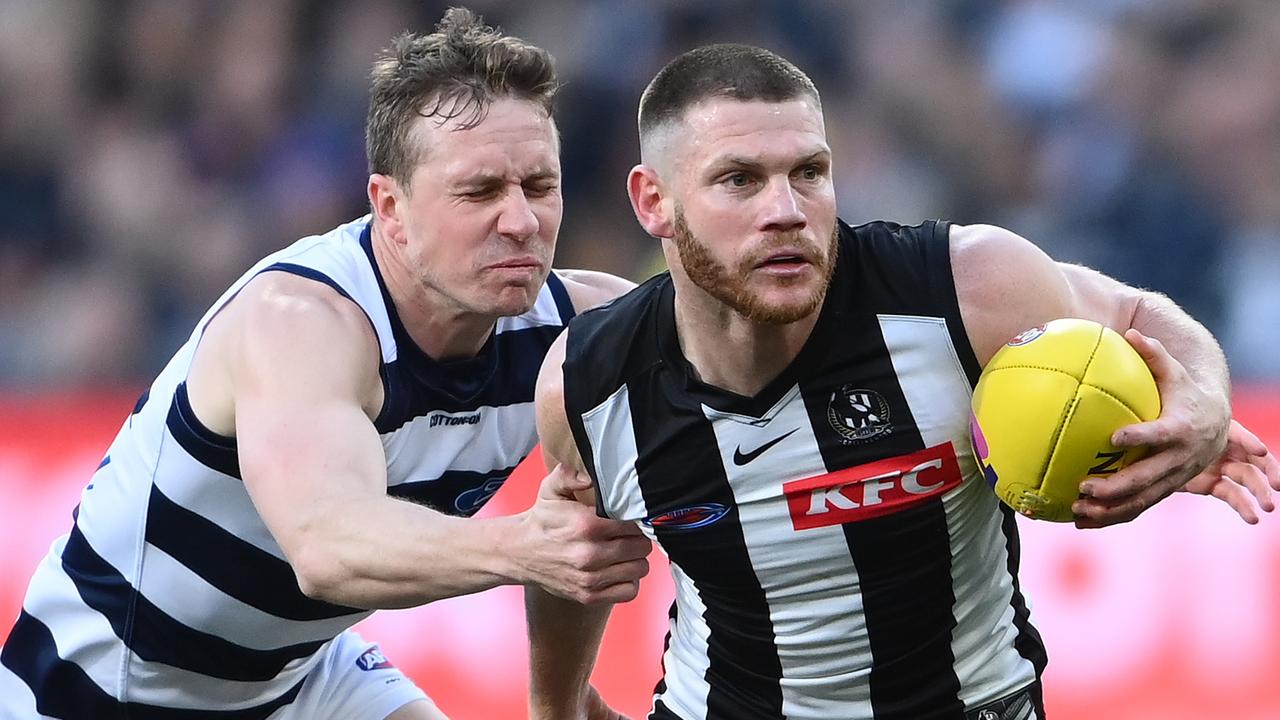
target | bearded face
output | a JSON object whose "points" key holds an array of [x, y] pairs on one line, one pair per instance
{"points": [[744, 283]]}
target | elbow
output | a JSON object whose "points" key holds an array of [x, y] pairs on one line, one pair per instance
{"points": [[320, 572]]}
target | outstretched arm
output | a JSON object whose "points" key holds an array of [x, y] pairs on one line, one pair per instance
{"points": [[291, 369], [1006, 285], [564, 635]]}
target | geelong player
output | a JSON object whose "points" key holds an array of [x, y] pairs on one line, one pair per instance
{"points": [[314, 450], [786, 413]]}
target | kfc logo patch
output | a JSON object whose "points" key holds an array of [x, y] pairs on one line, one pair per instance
{"points": [[872, 490]]}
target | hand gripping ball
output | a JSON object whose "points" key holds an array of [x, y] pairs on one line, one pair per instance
{"points": [[1045, 408]]}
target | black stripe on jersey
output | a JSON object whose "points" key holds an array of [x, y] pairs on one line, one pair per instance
{"points": [[64, 690], [214, 451], [457, 492], [154, 636], [564, 304], [231, 565], [937, 250], [1028, 643], [310, 274], [741, 642], [504, 373], [660, 709], [903, 559]]}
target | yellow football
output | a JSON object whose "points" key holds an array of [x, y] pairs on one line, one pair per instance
{"points": [[1045, 408]]}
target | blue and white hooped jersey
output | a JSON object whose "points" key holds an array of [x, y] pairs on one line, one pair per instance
{"points": [[169, 597]]}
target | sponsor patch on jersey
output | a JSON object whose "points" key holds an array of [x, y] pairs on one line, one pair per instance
{"points": [[858, 415], [1026, 336], [453, 420], [475, 498], [689, 518], [373, 659], [872, 490]]}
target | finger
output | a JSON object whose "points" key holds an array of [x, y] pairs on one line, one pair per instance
{"points": [[563, 483], [605, 529], [1270, 467], [1133, 478], [1163, 366], [1240, 435], [1251, 477], [1110, 512], [627, 548], [632, 570], [1239, 500], [619, 593]]}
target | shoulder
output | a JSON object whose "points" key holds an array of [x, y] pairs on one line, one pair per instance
{"points": [[281, 323], [1004, 285], [589, 288]]}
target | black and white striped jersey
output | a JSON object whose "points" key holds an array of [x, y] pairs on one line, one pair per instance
{"points": [[169, 597], [835, 550]]}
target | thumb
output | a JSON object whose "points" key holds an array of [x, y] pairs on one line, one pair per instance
{"points": [[562, 482]]}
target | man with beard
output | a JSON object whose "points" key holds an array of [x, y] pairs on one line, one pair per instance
{"points": [[786, 414]]}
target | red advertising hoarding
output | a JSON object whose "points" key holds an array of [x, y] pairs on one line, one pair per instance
{"points": [[1173, 617]]}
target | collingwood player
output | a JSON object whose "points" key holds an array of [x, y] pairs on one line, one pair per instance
{"points": [[314, 450], [786, 414]]}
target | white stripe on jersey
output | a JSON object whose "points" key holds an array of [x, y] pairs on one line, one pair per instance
{"points": [[205, 609], [220, 499], [686, 660], [498, 440], [618, 461], [544, 312], [814, 604], [80, 637], [984, 664]]}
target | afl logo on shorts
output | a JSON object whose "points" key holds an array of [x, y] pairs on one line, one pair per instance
{"points": [[1026, 336], [690, 518], [373, 659], [858, 415]]}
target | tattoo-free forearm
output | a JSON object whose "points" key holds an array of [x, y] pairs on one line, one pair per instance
{"points": [[564, 637]]}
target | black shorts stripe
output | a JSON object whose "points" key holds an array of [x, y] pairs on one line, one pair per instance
{"points": [[63, 689], [231, 565], [903, 559], [154, 636], [741, 643]]}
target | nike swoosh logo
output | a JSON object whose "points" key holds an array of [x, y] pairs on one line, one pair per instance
{"points": [[740, 458]]}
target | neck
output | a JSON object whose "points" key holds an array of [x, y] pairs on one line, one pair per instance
{"points": [[437, 324], [758, 353]]}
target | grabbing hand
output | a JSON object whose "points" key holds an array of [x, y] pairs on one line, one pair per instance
{"points": [[574, 554], [1246, 468], [1187, 438]]}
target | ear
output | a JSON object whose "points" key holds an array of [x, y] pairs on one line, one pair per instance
{"points": [[387, 202], [648, 200]]}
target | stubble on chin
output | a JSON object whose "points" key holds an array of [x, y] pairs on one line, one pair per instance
{"points": [[731, 286]]}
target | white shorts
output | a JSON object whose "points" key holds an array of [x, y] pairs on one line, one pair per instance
{"points": [[352, 681]]}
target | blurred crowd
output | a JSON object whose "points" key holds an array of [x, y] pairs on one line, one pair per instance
{"points": [[151, 150]]}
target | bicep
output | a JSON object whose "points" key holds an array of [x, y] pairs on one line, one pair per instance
{"points": [[1005, 284], [301, 384], [558, 446]]}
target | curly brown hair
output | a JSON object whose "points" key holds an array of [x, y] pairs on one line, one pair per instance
{"points": [[455, 73]]}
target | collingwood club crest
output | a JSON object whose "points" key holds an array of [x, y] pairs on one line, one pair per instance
{"points": [[858, 415]]}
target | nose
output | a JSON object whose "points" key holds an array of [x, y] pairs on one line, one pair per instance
{"points": [[516, 219], [782, 207]]}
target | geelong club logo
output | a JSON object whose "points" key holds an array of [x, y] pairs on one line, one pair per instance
{"points": [[858, 415]]}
